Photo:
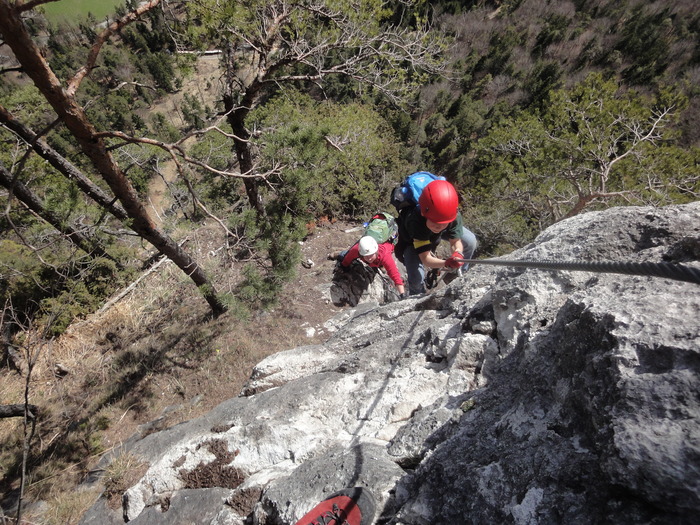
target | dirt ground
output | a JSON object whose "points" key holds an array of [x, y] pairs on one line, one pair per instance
{"points": [[220, 361], [309, 292], [203, 84], [298, 318]]}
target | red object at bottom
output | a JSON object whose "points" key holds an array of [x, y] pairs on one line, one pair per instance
{"points": [[346, 507]]}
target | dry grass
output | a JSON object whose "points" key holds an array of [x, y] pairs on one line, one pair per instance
{"points": [[65, 508], [121, 474]]}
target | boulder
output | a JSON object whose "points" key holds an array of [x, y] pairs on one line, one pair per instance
{"points": [[360, 283]]}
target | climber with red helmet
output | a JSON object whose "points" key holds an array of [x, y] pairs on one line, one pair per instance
{"points": [[422, 227]]}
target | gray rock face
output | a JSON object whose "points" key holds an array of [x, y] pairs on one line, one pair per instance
{"points": [[359, 283], [510, 396]]}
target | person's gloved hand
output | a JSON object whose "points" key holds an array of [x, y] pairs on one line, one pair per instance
{"points": [[403, 295], [452, 261]]}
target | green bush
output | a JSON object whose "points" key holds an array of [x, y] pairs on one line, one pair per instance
{"points": [[554, 31], [593, 146], [80, 291], [340, 160]]}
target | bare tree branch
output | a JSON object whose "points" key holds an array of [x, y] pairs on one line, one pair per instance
{"points": [[137, 84], [73, 116], [31, 201], [326, 39], [10, 70], [62, 165], [175, 150], [117, 25], [18, 410], [28, 6]]}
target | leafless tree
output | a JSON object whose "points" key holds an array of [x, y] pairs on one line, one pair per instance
{"points": [[267, 43], [31, 348], [72, 115]]}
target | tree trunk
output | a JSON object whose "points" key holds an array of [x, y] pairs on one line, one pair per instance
{"points": [[236, 119], [54, 158], [31, 201], [73, 116]]}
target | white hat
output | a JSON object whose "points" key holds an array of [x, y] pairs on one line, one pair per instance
{"points": [[367, 246]]}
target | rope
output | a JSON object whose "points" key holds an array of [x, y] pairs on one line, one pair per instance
{"points": [[676, 272]]}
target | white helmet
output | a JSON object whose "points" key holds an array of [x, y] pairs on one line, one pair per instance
{"points": [[367, 246]]}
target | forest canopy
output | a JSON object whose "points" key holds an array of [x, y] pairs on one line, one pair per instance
{"points": [[535, 110]]}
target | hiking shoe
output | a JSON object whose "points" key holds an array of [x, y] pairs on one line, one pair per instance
{"points": [[431, 278], [353, 506]]}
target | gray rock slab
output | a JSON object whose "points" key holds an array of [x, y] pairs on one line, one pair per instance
{"points": [[511, 395]]}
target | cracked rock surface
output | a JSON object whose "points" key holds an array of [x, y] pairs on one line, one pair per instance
{"points": [[510, 396]]}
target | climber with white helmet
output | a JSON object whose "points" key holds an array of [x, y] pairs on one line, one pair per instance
{"points": [[422, 227], [375, 255], [367, 247]]}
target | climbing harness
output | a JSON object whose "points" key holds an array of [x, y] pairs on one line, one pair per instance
{"points": [[673, 271]]}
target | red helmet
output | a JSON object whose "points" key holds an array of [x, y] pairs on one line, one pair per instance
{"points": [[438, 202]]}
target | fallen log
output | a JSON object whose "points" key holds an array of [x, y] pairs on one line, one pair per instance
{"points": [[17, 410]]}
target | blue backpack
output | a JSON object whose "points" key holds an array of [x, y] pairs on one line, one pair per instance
{"points": [[408, 192]]}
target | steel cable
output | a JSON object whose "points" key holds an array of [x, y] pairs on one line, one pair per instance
{"points": [[673, 271]]}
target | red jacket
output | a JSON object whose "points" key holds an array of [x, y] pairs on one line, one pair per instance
{"points": [[385, 259]]}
